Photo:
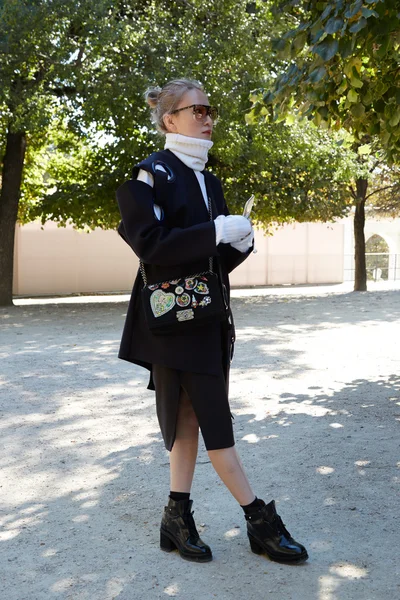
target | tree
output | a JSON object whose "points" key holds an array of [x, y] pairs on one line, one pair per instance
{"points": [[220, 43], [339, 68], [71, 71], [270, 161], [297, 173], [42, 50], [383, 198], [81, 115]]}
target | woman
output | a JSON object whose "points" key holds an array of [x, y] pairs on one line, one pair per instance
{"points": [[166, 221]]}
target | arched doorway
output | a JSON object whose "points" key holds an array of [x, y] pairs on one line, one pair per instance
{"points": [[377, 258]]}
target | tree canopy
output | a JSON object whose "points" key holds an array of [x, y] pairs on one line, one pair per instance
{"points": [[103, 127], [73, 120], [340, 68]]}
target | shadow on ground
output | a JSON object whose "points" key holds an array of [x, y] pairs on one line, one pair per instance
{"points": [[86, 472]]}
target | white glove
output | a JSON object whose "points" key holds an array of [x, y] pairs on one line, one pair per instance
{"points": [[232, 228], [245, 244]]}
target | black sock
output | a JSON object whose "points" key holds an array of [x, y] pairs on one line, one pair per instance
{"points": [[253, 506], [179, 495]]}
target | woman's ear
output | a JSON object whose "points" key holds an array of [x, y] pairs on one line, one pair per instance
{"points": [[169, 123]]}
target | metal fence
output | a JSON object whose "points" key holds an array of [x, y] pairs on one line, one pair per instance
{"points": [[381, 266]]}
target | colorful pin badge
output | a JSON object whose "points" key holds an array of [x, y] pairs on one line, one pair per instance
{"points": [[190, 284], [179, 290], [153, 287], [202, 288], [205, 302], [194, 302], [183, 300], [185, 315], [161, 303]]}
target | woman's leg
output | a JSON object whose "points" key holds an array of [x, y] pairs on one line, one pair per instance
{"points": [[229, 467], [178, 529], [208, 395], [183, 455], [265, 529]]}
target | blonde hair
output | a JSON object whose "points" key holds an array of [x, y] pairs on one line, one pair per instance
{"points": [[164, 100]]}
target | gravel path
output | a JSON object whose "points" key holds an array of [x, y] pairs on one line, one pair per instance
{"points": [[315, 390]]}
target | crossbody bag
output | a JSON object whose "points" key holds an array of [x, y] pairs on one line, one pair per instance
{"points": [[179, 305]]}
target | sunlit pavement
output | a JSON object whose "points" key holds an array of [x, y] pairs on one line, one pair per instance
{"points": [[315, 392], [295, 290]]}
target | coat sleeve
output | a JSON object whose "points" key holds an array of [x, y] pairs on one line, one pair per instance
{"points": [[151, 241]]}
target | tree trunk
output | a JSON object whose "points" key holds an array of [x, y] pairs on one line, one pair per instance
{"points": [[9, 197], [360, 276]]}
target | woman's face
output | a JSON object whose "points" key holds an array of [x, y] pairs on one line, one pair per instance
{"points": [[185, 123]]}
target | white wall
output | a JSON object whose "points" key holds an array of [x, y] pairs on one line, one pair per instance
{"points": [[56, 261], [65, 261], [295, 254]]}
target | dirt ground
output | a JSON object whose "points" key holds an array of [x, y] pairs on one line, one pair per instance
{"points": [[315, 390]]}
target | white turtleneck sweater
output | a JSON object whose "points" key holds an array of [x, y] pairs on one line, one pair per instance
{"points": [[193, 152]]}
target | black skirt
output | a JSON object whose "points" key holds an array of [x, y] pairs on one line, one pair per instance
{"points": [[209, 397]]}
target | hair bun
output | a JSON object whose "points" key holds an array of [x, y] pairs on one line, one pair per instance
{"points": [[164, 100], [151, 95]]}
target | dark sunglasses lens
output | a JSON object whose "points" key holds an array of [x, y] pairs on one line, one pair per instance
{"points": [[200, 112], [213, 112]]}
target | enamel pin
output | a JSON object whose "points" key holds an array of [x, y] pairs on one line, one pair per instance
{"points": [[201, 288], [183, 300], [161, 303], [185, 315]]}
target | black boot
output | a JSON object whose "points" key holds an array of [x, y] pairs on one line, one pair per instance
{"points": [[267, 533], [178, 530]]}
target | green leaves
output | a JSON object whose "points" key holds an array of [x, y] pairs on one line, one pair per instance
{"points": [[358, 25], [364, 149], [82, 69], [394, 119], [334, 24], [97, 124], [351, 68], [358, 110], [317, 75], [352, 96], [368, 12], [326, 49], [353, 9], [300, 173]]}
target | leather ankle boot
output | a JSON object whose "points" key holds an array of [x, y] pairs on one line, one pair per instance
{"points": [[178, 530], [267, 533]]}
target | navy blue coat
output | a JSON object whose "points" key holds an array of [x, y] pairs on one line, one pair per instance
{"points": [[178, 245]]}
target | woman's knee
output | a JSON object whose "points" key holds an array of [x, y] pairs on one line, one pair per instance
{"points": [[225, 458], [186, 412]]}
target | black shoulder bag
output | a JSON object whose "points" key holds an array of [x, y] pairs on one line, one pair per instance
{"points": [[180, 305]]}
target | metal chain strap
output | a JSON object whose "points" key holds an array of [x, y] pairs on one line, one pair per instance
{"points": [[143, 272], [210, 260]]}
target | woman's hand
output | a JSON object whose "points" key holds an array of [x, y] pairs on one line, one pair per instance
{"points": [[231, 228], [245, 244]]}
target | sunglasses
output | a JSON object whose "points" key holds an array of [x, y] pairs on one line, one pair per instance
{"points": [[200, 112]]}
